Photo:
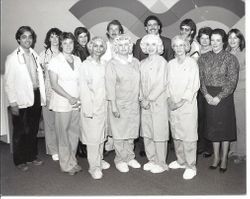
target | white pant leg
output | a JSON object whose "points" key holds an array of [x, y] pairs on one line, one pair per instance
{"points": [[129, 148], [74, 131], [179, 151], [190, 149], [150, 149], [161, 153], [67, 158], [94, 156], [50, 132]]}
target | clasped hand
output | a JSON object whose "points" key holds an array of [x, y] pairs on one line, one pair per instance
{"points": [[74, 102], [145, 104], [212, 100], [115, 110], [174, 106]]}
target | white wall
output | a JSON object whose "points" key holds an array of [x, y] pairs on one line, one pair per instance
{"points": [[40, 15]]}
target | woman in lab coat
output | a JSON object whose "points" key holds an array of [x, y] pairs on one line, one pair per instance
{"points": [[183, 85], [154, 112], [94, 106], [123, 86]]}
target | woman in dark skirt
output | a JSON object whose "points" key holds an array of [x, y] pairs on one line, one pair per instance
{"points": [[219, 72]]}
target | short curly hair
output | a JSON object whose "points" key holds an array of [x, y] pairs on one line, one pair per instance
{"points": [[66, 35], [204, 31], [92, 41], [151, 38], [182, 38], [122, 38]]}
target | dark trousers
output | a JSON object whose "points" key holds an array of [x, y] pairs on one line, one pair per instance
{"points": [[25, 129], [204, 145]]}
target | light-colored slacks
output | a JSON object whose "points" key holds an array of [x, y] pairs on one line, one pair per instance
{"points": [[124, 150], [68, 133], [95, 156], [156, 151], [186, 153], [50, 131]]}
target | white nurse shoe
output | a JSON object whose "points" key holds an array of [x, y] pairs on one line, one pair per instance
{"points": [[122, 167], [189, 174], [148, 166], [96, 174], [55, 157], [134, 164], [104, 164], [176, 165]]}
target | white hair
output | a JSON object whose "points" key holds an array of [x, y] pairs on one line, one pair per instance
{"points": [[151, 38]]}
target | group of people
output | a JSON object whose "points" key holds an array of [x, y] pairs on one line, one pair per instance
{"points": [[111, 92]]}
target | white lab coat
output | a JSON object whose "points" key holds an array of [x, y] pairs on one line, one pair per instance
{"points": [[18, 83], [183, 83], [154, 121], [123, 86], [93, 101]]}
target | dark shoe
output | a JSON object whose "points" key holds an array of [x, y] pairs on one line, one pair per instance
{"points": [[36, 162], [142, 153], [23, 167], [212, 167], [207, 155], [223, 170]]}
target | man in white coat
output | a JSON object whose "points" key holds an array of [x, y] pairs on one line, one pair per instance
{"points": [[24, 85]]}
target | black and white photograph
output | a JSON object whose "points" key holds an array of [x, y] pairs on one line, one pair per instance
{"points": [[123, 98]]}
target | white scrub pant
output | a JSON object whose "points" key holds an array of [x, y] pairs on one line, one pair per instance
{"points": [[186, 153], [156, 151], [50, 131], [68, 133], [124, 150], [95, 156]]}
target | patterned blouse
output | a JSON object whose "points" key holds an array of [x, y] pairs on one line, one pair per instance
{"points": [[219, 70]]}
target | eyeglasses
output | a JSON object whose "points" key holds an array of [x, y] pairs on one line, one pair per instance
{"points": [[185, 29]]}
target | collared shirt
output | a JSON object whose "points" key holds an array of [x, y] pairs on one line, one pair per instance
{"points": [[220, 70], [32, 68]]}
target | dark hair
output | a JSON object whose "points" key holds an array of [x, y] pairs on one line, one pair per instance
{"points": [[239, 35], [80, 30], [204, 31], [152, 17], [115, 22], [223, 35], [191, 24], [66, 35], [23, 29], [52, 31]]}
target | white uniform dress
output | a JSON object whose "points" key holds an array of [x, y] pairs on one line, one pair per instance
{"points": [[154, 121], [66, 118], [153, 88], [184, 83], [123, 86], [93, 109]]}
